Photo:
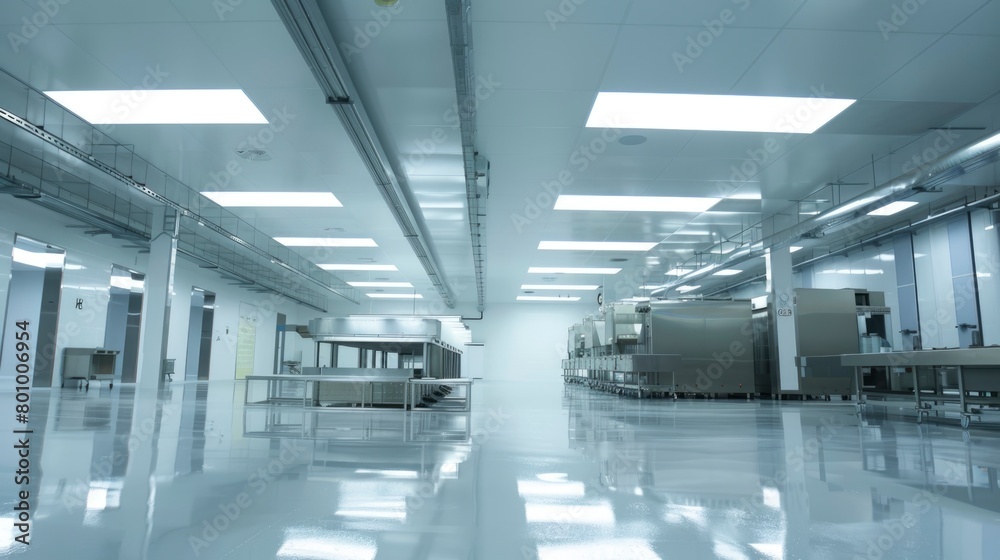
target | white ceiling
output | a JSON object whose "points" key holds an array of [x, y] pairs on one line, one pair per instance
{"points": [[543, 75]]}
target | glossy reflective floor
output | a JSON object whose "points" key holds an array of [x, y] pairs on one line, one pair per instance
{"points": [[537, 470]]}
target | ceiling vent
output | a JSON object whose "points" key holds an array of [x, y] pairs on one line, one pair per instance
{"points": [[254, 154]]}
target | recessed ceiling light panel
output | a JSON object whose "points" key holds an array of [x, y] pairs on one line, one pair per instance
{"points": [[595, 246], [360, 267], [326, 242], [161, 106], [893, 208], [380, 284], [559, 287], [635, 203], [570, 270], [395, 296], [730, 113], [548, 298], [234, 199]]}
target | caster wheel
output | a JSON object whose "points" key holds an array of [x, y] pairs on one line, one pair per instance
{"points": [[965, 422]]}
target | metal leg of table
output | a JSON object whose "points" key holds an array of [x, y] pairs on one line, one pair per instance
{"points": [[858, 380], [961, 397]]}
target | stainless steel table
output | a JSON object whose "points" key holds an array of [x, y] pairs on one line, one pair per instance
{"points": [[977, 370]]}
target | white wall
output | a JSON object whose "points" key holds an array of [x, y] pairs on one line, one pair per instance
{"points": [[526, 340], [89, 261]]}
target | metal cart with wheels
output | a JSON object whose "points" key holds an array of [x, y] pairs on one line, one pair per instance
{"points": [[89, 364]]}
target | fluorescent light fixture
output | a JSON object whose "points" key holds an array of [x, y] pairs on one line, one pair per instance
{"points": [[380, 284], [744, 196], [73, 266], [161, 106], [395, 296], [635, 203], [234, 199], [567, 287], [126, 283], [595, 246], [38, 260], [360, 267], [326, 242], [563, 270], [855, 271], [728, 113], [636, 299], [989, 228], [692, 232], [851, 206], [893, 208], [728, 272], [548, 298], [794, 248], [678, 271], [686, 289]]}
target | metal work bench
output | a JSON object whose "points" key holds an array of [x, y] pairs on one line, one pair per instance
{"points": [[933, 380]]}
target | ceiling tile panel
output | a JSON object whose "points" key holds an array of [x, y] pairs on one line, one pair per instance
{"points": [[744, 13], [662, 60], [533, 56], [811, 63], [889, 18]]}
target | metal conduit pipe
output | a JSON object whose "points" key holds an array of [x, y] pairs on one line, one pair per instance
{"points": [[133, 185], [460, 34], [943, 169], [899, 231], [308, 29]]}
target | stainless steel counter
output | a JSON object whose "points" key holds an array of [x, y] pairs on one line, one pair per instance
{"points": [[933, 380]]}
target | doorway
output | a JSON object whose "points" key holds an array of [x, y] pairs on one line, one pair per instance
{"points": [[199, 349], [124, 320], [33, 307]]}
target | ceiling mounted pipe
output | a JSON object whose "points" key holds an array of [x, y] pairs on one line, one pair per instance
{"points": [[311, 34], [950, 165]]}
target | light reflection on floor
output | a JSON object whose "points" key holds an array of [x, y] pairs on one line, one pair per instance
{"points": [[551, 473]]}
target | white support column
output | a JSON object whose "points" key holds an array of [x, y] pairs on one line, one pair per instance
{"points": [[159, 290], [781, 298]]}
